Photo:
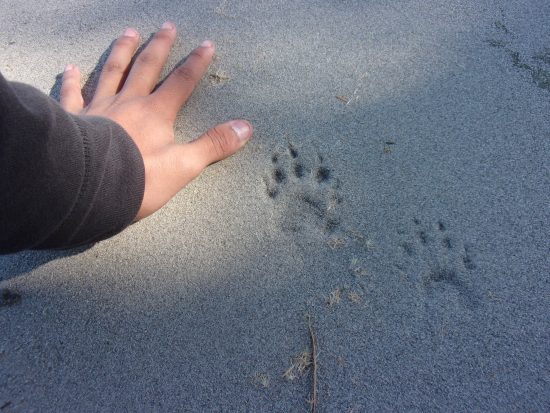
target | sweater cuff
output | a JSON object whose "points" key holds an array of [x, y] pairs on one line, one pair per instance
{"points": [[112, 188]]}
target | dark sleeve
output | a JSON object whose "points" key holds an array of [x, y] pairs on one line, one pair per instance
{"points": [[65, 180]]}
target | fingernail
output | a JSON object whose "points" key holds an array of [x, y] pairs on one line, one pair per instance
{"points": [[168, 26], [241, 128], [207, 43], [129, 32], [69, 67]]}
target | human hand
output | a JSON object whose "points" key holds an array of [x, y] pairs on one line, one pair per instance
{"points": [[124, 95]]}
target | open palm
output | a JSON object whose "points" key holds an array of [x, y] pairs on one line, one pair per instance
{"points": [[125, 95]]}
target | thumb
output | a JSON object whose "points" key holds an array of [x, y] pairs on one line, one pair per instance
{"points": [[168, 171], [218, 143]]}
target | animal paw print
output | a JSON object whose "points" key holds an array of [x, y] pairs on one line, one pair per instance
{"points": [[306, 189], [443, 262]]}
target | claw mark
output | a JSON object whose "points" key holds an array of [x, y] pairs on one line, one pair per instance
{"points": [[279, 175], [323, 174]]}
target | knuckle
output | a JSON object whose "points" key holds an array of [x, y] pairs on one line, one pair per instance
{"points": [[113, 66], [219, 143], [185, 73], [148, 58], [197, 54]]}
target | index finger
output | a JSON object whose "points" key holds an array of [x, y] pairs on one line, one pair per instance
{"points": [[179, 85]]}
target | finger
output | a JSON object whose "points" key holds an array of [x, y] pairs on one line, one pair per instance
{"points": [[216, 144], [177, 88], [115, 68], [146, 70], [71, 95]]}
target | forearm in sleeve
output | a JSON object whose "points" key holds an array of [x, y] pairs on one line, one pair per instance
{"points": [[65, 180]]}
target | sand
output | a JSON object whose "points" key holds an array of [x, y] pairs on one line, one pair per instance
{"points": [[396, 192]]}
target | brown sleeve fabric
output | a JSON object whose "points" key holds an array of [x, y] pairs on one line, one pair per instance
{"points": [[65, 180]]}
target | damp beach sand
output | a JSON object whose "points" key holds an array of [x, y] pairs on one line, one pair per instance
{"points": [[380, 245]]}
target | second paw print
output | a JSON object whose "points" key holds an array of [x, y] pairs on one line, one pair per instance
{"points": [[306, 188], [440, 260]]}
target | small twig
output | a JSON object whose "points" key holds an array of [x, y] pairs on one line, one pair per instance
{"points": [[219, 77], [343, 98], [314, 362]]}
